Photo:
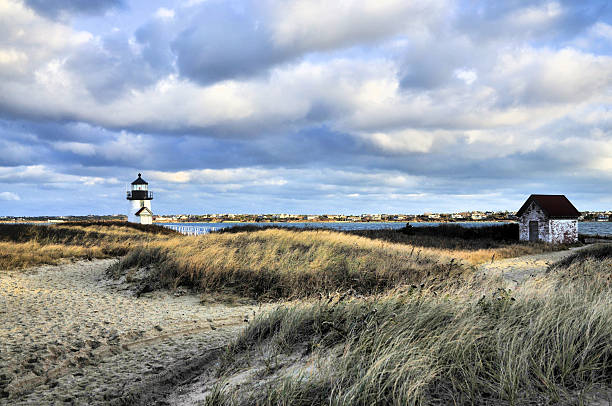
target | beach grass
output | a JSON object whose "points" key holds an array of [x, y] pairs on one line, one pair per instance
{"points": [[275, 263], [548, 343], [266, 264], [280, 263], [476, 244], [23, 246], [369, 320]]}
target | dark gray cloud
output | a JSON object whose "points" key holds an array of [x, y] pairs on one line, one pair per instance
{"points": [[229, 40], [432, 64], [114, 67], [154, 39], [224, 42], [317, 147], [57, 8]]}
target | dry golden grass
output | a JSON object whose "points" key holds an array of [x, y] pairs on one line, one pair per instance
{"points": [[24, 255], [474, 245], [269, 263], [23, 246], [281, 263], [547, 343]]}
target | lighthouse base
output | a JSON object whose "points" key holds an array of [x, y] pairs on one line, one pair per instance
{"points": [[144, 217]]}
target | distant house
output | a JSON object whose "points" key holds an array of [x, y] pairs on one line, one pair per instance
{"points": [[549, 218]]}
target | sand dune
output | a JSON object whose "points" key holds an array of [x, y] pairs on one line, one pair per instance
{"points": [[68, 334]]}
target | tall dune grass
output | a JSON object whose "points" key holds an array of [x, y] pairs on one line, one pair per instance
{"points": [[262, 264], [475, 244], [278, 263], [548, 344], [590, 267], [23, 246], [274, 263]]}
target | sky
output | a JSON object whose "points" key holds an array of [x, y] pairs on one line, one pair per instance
{"points": [[309, 106]]}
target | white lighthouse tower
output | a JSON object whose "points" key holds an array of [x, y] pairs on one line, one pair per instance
{"points": [[140, 202]]}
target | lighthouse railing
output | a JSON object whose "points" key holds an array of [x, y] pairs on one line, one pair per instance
{"points": [[139, 194]]}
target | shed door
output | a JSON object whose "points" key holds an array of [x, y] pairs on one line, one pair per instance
{"points": [[533, 231]]}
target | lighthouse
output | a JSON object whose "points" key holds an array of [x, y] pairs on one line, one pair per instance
{"points": [[140, 202]]}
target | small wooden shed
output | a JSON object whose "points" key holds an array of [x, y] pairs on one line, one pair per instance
{"points": [[549, 218], [145, 214]]}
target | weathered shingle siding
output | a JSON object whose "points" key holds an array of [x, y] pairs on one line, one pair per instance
{"points": [[549, 230], [534, 213], [564, 231]]}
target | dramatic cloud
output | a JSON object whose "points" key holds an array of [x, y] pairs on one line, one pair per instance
{"points": [[224, 42], [55, 8], [313, 106]]}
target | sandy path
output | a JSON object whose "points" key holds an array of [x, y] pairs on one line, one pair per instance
{"points": [[515, 271], [68, 335]]}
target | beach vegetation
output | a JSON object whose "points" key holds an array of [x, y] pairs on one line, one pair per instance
{"points": [[24, 245], [282, 263], [547, 343]]}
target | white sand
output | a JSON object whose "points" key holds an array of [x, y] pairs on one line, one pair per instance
{"points": [[66, 334], [515, 271]]}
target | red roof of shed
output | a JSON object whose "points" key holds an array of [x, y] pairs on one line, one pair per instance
{"points": [[555, 206]]}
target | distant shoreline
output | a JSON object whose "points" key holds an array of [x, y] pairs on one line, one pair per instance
{"points": [[289, 222], [327, 222], [272, 222]]}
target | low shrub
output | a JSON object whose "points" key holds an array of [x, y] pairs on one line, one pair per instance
{"points": [[78, 232], [498, 232]]}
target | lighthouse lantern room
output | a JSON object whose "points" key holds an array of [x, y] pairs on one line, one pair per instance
{"points": [[140, 202]]}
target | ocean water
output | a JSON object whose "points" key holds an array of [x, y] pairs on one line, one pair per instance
{"points": [[590, 228], [595, 228]]}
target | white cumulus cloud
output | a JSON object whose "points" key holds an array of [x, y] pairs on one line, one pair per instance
{"points": [[9, 196], [163, 12]]}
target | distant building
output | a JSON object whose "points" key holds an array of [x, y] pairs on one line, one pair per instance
{"points": [[478, 216], [140, 202], [549, 218]]}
